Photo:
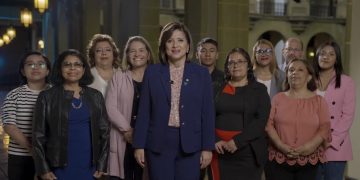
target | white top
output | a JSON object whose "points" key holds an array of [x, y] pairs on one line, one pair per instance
{"points": [[99, 83], [266, 83], [18, 110], [321, 93]]}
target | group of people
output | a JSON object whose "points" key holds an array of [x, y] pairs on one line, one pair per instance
{"points": [[131, 119]]}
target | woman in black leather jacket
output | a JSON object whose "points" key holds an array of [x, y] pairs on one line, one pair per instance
{"points": [[70, 127]]}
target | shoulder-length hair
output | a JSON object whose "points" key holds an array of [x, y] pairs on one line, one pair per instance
{"points": [[90, 49], [125, 65], [166, 34], [337, 66], [23, 79], [243, 52], [273, 64], [56, 75], [311, 85]]}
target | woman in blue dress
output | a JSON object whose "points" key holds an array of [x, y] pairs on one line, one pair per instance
{"points": [[71, 130]]}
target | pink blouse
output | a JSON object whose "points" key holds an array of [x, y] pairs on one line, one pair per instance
{"points": [[176, 76], [296, 122]]}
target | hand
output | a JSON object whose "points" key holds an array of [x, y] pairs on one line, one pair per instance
{"points": [[287, 150], [140, 157], [128, 136], [230, 146], [48, 176], [98, 174], [205, 159], [306, 149], [219, 146]]}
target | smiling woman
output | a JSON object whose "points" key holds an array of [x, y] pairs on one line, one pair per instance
{"points": [[70, 128], [242, 108], [175, 123]]}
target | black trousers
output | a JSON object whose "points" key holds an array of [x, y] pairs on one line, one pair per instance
{"points": [[276, 171], [20, 167]]}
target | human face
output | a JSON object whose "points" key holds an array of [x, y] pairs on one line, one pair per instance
{"points": [[327, 58], [177, 46], [207, 54], [298, 75], [138, 55], [264, 55], [238, 66], [292, 50], [35, 68], [103, 54], [72, 69]]}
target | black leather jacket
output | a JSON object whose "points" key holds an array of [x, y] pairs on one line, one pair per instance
{"points": [[50, 128]]}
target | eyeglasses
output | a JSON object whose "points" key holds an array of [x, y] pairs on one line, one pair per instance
{"points": [[232, 64], [266, 52], [41, 65], [293, 49], [69, 65]]}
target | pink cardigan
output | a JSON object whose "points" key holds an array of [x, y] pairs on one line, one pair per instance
{"points": [[119, 100], [341, 102]]}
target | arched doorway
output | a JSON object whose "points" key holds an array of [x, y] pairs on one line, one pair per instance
{"points": [[278, 41], [315, 42]]}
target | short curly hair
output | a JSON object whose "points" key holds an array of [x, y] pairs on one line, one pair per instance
{"points": [[90, 49]]}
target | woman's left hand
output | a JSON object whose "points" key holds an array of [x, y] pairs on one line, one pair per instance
{"points": [[230, 146], [98, 174], [205, 159], [306, 149]]}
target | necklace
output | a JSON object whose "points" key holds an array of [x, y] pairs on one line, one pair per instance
{"points": [[78, 106]]}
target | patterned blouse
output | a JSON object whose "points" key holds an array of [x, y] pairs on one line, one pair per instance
{"points": [[176, 76]]}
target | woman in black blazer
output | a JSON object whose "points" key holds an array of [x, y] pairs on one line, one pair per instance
{"points": [[242, 108]]}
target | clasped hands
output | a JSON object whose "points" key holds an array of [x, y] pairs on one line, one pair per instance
{"points": [[222, 146], [293, 153]]}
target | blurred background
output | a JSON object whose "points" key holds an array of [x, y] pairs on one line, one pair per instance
{"points": [[52, 26]]}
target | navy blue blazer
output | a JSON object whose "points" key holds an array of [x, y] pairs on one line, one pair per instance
{"points": [[197, 124]]}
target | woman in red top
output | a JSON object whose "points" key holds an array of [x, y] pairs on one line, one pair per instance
{"points": [[298, 126]]}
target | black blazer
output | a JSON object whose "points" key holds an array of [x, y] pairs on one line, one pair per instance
{"points": [[256, 114]]}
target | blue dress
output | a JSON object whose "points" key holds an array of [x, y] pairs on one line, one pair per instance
{"points": [[79, 149]]}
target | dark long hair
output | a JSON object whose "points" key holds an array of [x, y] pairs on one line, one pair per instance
{"points": [[56, 75], [337, 66], [243, 52], [23, 79]]}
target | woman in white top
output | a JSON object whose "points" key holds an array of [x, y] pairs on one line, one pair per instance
{"points": [[103, 57], [266, 69]]}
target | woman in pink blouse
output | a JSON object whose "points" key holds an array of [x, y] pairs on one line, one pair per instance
{"points": [[339, 93], [298, 126]]}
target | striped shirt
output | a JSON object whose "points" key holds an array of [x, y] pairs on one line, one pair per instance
{"points": [[18, 110]]}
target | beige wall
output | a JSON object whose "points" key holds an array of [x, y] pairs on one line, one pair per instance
{"points": [[354, 165]]}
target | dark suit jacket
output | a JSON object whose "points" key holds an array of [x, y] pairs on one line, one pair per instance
{"points": [[256, 114], [196, 109]]}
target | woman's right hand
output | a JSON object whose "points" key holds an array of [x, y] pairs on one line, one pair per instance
{"points": [[140, 157], [220, 146], [48, 176], [287, 150]]}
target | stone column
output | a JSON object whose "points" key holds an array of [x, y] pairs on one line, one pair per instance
{"points": [[233, 26]]}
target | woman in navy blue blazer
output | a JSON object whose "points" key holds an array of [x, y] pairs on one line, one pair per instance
{"points": [[174, 131]]}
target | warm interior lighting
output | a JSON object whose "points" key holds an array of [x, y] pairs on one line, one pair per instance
{"points": [[6, 39], [311, 54], [41, 44], [11, 32], [42, 5], [26, 17], [1, 42]]}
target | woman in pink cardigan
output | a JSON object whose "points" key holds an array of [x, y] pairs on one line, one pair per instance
{"points": [[122, 103], [339, 93], [298, 126]]}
